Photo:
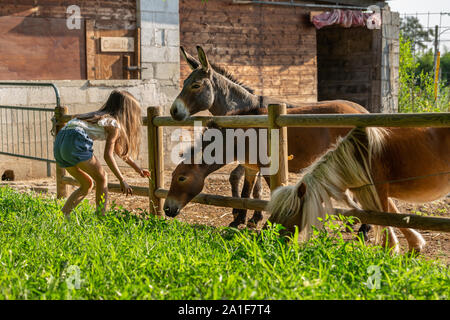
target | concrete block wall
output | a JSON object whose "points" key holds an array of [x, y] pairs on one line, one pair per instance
{"points": [[390, 50], [160, 47]]}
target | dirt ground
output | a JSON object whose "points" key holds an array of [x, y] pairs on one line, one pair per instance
{"points": [[438, 244]]}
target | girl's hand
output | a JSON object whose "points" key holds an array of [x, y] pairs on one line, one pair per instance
{"points": [[144, 173], [126, 189]]}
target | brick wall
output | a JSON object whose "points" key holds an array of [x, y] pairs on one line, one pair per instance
{"points": [[119, 10], [270, 48]]}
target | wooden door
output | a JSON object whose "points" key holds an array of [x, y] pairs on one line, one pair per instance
{"points": [[107, 63]]}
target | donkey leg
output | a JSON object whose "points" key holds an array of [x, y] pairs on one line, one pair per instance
{"points": [[257, 192], [416, 242], [234, 179], [240, 214]]}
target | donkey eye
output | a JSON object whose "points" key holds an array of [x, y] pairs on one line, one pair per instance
{"points": [[181, 179], [195, 86]]}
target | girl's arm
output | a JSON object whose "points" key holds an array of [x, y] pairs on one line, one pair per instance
{"points": [[142, 172], [112, 134]]}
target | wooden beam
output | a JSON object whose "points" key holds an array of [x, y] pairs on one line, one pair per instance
{"points": [[61, 188], [137, 53], [310, 120], [91, 49], [259, 121], [222, 201], [126, 67], [366, 120], [280, 178], [112, 187], [155, 160], [398, 220]]}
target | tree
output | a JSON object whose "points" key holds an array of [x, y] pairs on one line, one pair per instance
{"points": [[417, 35]]}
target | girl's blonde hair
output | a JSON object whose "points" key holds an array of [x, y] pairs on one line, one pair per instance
{"points": [[122, 106]]}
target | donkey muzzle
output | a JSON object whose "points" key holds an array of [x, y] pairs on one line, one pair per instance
{"points": [[178, 110], [171, 208]]}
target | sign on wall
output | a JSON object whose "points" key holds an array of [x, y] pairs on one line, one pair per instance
{"points": [[117, 44]]}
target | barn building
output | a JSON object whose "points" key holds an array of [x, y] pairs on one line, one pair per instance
{"points": [[89, 47]]}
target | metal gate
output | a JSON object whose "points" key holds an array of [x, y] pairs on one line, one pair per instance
{"points": [[25, 131]]}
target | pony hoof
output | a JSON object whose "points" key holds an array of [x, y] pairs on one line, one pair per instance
{"points": [[235, 224], [252, 224], [417, 248], [363, 236], [395, 249]]}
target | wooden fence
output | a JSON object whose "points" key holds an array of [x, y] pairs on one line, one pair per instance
{"points": [[276, 119]]}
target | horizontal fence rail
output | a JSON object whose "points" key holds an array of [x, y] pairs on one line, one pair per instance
{"points": [[414, 120], [315, 120], [36, 84], [398, 220], [156, 192]]}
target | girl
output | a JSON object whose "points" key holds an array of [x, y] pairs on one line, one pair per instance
{"points": [[119, 123]]}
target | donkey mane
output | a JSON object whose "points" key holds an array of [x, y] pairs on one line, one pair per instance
{"points": [[347, 165], [227, 74]]}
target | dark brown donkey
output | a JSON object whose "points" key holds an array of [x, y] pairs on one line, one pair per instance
{"points": [[210, 87], [305, 144]]}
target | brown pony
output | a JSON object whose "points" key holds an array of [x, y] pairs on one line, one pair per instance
{"points": [[305, 144], [410, 164]]}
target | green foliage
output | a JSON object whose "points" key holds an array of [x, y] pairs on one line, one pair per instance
{"points": [[44, 256], [416, 84], [425, 64]]}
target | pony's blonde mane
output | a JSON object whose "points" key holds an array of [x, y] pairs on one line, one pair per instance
{"points": [[345, 166]]}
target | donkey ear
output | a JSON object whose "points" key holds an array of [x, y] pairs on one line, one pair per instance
{"points": [[301, 191], [192, 62], [203, 59]]}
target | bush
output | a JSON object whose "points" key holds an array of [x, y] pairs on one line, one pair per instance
{"points": [[416, 90]]}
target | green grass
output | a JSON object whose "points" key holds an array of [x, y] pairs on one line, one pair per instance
{"points": [[42, 256]]}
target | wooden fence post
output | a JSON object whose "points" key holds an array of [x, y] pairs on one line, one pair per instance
{"points": [[61, 187], [155, 161], [281, 177]]}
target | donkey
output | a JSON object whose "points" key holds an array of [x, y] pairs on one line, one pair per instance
{"points": [[305, 144], [410, 164], [210, 87]]}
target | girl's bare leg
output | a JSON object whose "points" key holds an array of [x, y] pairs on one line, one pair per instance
{"points": [[86, 185], [93, 168]]}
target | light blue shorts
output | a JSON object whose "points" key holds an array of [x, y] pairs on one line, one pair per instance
{"points": [[72, 146]]}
